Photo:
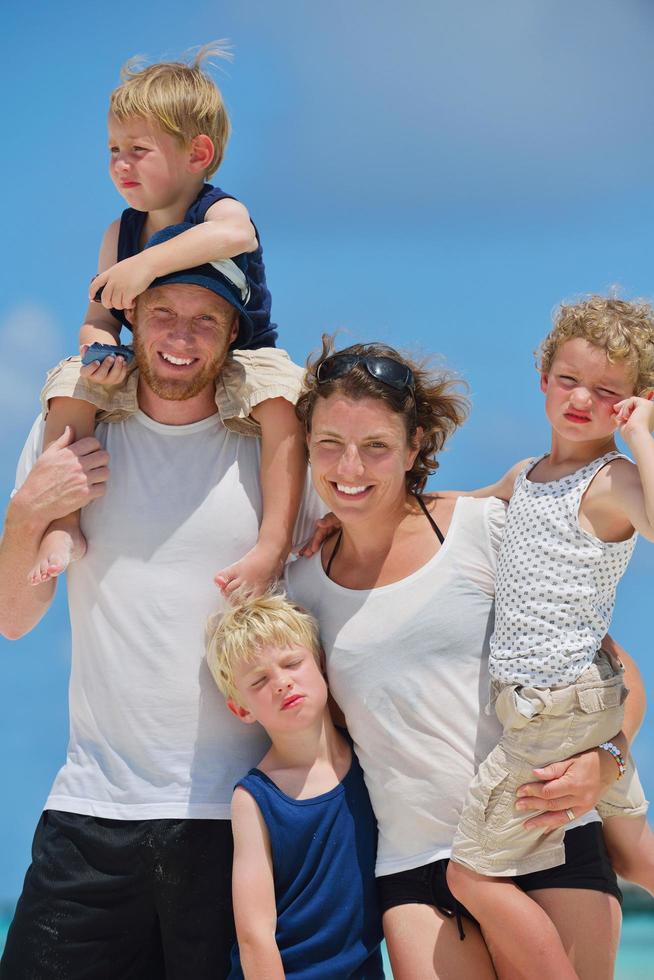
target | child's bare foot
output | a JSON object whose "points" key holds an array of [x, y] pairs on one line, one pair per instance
{"points": [[253, 574], [60, 546]]}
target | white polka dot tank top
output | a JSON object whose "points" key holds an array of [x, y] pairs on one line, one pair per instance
{"points": [[556, 583]]}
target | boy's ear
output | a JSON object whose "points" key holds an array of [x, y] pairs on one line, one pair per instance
{"points": [[543, 381], [241, 713], [201, 153]]}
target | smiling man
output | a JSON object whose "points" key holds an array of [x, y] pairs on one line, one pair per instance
{"points": [[132, 856]]}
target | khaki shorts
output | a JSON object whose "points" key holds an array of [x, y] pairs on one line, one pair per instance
{"points": [[248, 378], [541, 726]]}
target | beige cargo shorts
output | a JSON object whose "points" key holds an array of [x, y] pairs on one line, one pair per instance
{"points": [[540, 727], [247, 379]]}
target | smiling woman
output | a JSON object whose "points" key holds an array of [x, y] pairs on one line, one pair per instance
{"points": [[404, 595]]}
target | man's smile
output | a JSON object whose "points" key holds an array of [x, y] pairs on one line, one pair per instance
{"points": [[176, 361]]}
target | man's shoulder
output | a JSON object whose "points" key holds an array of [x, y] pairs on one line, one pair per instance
{"points": [[30, 452]]}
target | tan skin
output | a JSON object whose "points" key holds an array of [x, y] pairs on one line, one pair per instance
{"points": [[362, 446]]}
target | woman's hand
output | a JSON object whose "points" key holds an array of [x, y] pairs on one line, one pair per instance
{"points": [[575, 784]]}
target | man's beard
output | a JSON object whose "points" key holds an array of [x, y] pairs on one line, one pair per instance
{"points": [[171, 389]]}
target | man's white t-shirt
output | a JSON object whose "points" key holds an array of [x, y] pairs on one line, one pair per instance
{"points": [[150, 734]]}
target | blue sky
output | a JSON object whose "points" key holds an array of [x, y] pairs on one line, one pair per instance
{"points": [[437, 175]]}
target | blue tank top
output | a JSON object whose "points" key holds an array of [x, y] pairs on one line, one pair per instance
{"points": [[323, 856], [258, 306]]}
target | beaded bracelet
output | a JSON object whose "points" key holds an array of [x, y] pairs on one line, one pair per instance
{"points": [[617, 755]]}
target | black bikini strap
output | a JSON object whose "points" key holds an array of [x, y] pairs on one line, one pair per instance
{"points": [[333, 554], [431, 520]]}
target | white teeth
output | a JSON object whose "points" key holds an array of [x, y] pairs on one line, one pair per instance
{"points": [[176, 360], [351, 490]]}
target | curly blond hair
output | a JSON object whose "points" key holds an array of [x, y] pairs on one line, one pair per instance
{"points": [[623, 329], [235, 636], [437, 404], [179, 96]]}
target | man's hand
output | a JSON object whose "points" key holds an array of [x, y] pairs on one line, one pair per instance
{"points": [[123, 282], [575, 784], [67, 476]]}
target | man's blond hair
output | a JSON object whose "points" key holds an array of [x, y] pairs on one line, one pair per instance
{"points": [[236, 636], [179, 96], [623, 329]]}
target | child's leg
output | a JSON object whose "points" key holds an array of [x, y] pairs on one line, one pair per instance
{"points": [[283, 471], [517, 930], [63, 541], [630, 843]]}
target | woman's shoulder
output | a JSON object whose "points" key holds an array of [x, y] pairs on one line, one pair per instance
{"points": [[478, 524], [467, 508]]}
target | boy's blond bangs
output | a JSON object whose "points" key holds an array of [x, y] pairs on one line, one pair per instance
{"points": [[180, 97], [624, 330], [235, 637]]}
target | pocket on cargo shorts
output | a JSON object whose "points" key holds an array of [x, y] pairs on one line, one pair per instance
{"points": [[599, 713], [490, 795]]}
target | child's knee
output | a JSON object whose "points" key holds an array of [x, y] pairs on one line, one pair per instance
{"points": [[457, 879]]}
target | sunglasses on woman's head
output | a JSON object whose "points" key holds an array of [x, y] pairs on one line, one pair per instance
{"points": [[385, 369]]}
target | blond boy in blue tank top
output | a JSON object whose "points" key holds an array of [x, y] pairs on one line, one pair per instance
{"points": [[305, 836], [168, 128], [573, 517]]}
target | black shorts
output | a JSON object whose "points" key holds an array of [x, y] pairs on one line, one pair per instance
{"points": [[124, 900], [586, 865]]}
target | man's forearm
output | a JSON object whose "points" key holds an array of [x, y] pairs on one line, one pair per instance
{"points": [[636, 703], [21, 605]]}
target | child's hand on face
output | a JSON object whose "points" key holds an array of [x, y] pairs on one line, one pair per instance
{"points": [[123, 282], [252, 575], [110, 371], [634, 415]]}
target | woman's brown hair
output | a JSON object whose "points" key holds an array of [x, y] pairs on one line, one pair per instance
{"points": [[436, 403]]}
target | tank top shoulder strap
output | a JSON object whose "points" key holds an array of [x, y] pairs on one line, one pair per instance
{"points": [[582, 478], [526, 469], [129, 234], [274, 807], [208, 195]]}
